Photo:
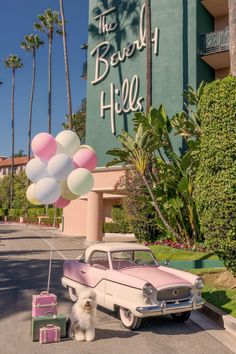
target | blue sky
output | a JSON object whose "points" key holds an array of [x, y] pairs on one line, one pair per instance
{"points": [[16, 20]]}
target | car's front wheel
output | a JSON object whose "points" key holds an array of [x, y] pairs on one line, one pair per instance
{"points": [[181, 317], [128, 319], [73, 294]]}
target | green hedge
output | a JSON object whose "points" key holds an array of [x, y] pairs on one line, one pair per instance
{"points": [[119, 224], [3, 212], [32, 212], [215, 185]]}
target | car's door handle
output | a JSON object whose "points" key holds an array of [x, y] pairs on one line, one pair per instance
{"points": [[83, 272]]}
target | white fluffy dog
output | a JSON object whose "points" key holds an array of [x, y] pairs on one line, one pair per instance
{"points": [[83, 316]]}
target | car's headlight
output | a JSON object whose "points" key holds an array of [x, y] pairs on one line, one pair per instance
{"points": [[199, 283], [148, 289]]}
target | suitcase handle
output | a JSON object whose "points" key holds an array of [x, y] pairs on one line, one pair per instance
{"points": [[50, 313], [44, 293]]}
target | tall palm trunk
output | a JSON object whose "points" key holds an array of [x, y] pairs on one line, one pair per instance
{"points": [[31, 103], [232, 36], [148, 55], [68, 88], [12, 135], [50, 39]]}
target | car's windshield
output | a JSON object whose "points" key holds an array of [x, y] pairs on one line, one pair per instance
{"points": [[131, 258]]}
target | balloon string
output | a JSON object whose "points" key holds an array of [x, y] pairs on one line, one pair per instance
{"points": [[51, 251]]}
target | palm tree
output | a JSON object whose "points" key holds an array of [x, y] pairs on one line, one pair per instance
{"points": [[31, 44], [138, 152], [50, 23], [68, 89], [78, 124], [148, 55], [232, 36], [13, 62]]}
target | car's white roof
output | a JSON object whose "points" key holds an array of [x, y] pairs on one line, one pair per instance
{"points": [[114, 246]]}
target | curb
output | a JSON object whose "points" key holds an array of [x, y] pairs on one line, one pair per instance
{"points": [[223, 319]]}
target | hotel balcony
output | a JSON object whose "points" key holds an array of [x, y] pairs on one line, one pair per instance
{"points": [[85, 70], [215, 49], [217, 8]]}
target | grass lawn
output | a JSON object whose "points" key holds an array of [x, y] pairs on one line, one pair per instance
{"points": [[165, 252], [222, 297]]}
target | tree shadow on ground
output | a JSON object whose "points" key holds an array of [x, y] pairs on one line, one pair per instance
{"points": [[8, 231], [20, 279]]}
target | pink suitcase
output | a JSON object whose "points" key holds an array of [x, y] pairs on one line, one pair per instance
{"points": [[49, 334], [44, 304]]}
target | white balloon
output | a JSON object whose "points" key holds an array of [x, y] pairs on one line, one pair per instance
{"points": [[80, 181], [36, 169], [68, 142], [47, 191], [60, 166], [30, 195]]}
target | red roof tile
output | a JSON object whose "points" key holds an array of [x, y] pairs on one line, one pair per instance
{"points": [[17, 161]]}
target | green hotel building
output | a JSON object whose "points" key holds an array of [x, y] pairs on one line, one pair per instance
{"points": [[190, 44]]}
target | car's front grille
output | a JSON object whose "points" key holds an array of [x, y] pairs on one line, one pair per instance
{"points": [[178, 293]]}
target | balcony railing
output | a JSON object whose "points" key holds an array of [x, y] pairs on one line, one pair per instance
{"points": [[215, 42]]}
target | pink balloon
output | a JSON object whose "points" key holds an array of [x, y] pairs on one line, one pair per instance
{"points": [[85, 158], [61, 203], [44, 146]]}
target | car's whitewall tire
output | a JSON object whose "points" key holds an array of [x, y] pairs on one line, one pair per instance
{"points": [[128, 319]]}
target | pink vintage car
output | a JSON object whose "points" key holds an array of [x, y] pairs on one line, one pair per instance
{"points": [[127, 277]]}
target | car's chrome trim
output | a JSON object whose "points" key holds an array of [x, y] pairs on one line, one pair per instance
{"points": [[165, 307]]}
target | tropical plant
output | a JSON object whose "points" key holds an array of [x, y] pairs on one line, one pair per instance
{"points": [[20, 153], [232, 36], [139, 152], [78, 124], [139, 213], [31, 44], [13, 62], [50, 23], [215, 187], [68, 89], [171, 176]]}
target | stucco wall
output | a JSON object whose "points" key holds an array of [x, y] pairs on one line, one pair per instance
{"points": [[177, 64]]}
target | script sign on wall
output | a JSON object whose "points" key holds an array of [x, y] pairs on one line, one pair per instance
{"points": [[125, 97]]}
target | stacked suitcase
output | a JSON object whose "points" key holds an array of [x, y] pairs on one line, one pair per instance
{"points": [[47, 325]]}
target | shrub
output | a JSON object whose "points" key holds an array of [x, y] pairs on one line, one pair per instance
{"points": [[140, 212], [216, 177], [50, 221], [3, 212], [119, 224]]}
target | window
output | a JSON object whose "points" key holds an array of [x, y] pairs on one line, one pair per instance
{"points": [[4, 171], [123, 259], [99, 259]]}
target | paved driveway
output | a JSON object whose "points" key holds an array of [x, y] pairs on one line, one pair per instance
{"points": [[24, 254]]}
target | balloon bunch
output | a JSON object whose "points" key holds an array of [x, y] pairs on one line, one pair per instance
{"points": [[60, 170]]}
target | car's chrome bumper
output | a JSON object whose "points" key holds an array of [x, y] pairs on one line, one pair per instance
{"points": [[165, 307]]}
